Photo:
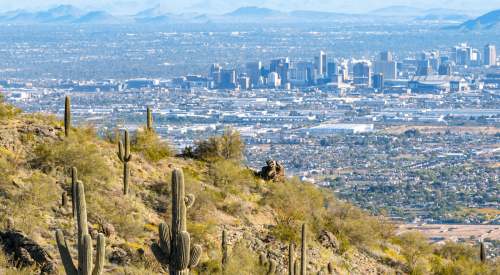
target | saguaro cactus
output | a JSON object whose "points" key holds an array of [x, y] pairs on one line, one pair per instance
{"points": [[330, 268], [10, 224], [84, 242], [125, 157], [224, 251], [64, 200], [149, 121], [263, 261], [74, 180], [483, 252], [290, 260], [67, 116], [296, 268], [174, 248], [303, 258]]}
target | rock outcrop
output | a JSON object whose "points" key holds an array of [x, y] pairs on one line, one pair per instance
{"points": [[273, 171], [328, 240], [26, 251]]}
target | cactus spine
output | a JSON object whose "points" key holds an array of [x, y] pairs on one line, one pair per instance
{"points": [[224, 251], [149, 121], [483, 252], [84, 242], [125, 157], [74, 180], [67, 116], [303, 259], [174, 248], [263, 261], [290, 260]]}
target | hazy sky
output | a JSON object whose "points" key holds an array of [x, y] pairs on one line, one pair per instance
{"points": [[223, 6]]}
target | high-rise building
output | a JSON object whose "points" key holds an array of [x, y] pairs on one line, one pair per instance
{"points": [[424, 68], [490, 55], [362, 73], [387, 68], [321, 64], [445, 69], [228, 79], [425, 56], [311, 71], [385, 56], [215, 73], [254, 72], [273, 80], [244, 82], [333, 68], [378, 81], [280, 66]]}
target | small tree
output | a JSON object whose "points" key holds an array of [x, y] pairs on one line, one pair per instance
{"points": [[228, 146], [415, 247]]}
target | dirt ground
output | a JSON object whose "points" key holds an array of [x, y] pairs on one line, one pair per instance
{"points": [[461, 231]]}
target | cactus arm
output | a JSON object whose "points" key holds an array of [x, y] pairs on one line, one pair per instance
{"points": [[87, 255], [82, 223], [272, 267], [164, 233], [160, 257], [184, 244], [120, 153], [262, 259], [99, 261], [189, 200], [296, 268], [129, 158], [66, 259], [195, 256], [127, 144]]}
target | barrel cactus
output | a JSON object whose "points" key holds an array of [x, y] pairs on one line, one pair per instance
{"points": [[84, 242], [125, 157], [174, 248], [67, 116]]}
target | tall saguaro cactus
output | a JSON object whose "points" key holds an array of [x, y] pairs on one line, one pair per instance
{"points": [[149, 121], [84, 243], [174, 248], [272, 264], [290, 260], [125, 157], [224, 251], [483, 253], [67, 116], [303, 258], [74, 180]]}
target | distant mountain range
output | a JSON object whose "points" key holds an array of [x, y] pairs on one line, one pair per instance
{"points": [[489, 21], [161, 15]]}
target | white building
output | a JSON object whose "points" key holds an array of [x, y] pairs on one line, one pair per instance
{"points": [[387, 68], [273, 79], [338, 128]]}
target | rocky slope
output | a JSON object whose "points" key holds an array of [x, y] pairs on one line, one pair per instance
{"points": [[36, 183]]}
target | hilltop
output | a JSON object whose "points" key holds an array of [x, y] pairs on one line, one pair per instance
{"points": [[487, 21], [260, 214]]}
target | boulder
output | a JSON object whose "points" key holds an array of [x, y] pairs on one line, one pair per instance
{"points": [[273, 171], [119, 256], [27, 251], [328, 240]]}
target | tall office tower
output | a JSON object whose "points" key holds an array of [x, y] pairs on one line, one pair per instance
{"points": [[311, 71], [463, 56], [378, 81], [280, 66], [388, 68], [434, 63], [490, 55], [215, 73], [244, 82], [425, 56], [254, 72], [454, 56], [333, 68], [362, 73], [228, 79], [445, 69], [273, 79], [385, 56], [321, 64]]}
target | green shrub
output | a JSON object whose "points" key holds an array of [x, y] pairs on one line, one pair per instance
{"points": [[7, 110], [228, 146], [150, 145], [415, 248], [231, 179]]}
